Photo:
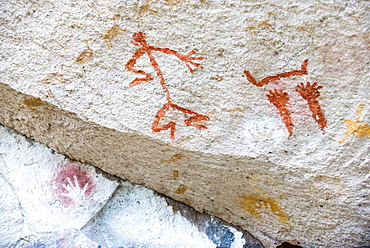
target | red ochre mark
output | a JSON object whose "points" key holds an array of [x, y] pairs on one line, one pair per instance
{"points": [[69, 175], [310, 93], [218, 78], [172, 125], [280, 100], [277, 77], [140, 40]]}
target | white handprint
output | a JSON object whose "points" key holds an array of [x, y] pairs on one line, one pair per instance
{"points": [[77, 194]]}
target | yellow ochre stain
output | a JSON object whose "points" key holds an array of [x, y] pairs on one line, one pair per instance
{"points": [[143, 10], [175, 2], [174, 158], [356, 127], [175, 175], [86, 55], [181, 189], [33, 102], [254, 204], [112, 32], [329, 179], [54, 78], [261, 25]]}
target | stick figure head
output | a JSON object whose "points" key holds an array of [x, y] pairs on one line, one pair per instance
{"points": [[139, 37]]}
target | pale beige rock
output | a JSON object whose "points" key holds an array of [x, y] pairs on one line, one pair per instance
{"points": [[309, 189], [266, 199]]}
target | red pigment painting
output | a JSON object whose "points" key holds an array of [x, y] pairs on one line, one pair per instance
{"points": [[310, 93], [73, 181], [140, 40], [280, 99], [277, 77]]}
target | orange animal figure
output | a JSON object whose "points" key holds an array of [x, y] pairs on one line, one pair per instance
{"points": [[280, 99], [140, 40]]}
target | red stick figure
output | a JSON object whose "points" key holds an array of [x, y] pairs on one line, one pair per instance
{"points": [[280, 99], [140, 39]]}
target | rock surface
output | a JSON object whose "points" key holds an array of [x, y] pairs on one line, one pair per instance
{"points": [[48, 200], [265, 125]]}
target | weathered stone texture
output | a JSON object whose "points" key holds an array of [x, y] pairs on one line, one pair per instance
{"points": [[280, 137]]}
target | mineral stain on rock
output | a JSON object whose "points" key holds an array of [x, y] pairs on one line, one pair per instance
{"points": [[86, 55], [174, 158], [181, 189], [112, 32], [32, 103]]}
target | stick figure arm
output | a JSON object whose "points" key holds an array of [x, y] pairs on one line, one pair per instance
{"points": [[187, 58], [130, 67], [302, 71]]}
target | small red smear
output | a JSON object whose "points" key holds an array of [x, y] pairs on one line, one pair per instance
{"points": [[310, 93], [277, 77], [67, 177], [140, 40], [280, 100], [218, 78]]}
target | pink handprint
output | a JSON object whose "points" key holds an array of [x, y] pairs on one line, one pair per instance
{"points": [[73, 185]]}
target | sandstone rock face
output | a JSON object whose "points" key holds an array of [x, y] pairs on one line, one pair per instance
{"points": [[256, 112], [48, 200]]}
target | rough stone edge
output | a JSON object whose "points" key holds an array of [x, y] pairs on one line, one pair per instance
{"points": [[126, 155]]}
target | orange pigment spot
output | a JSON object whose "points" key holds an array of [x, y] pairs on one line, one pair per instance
{"points": [[181, 189], [33, 102], [175, 175], [174, 158], [254, 204], [355, 127]]}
